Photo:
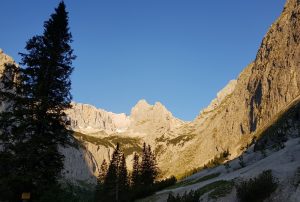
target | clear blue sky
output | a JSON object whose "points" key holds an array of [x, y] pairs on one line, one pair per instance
{"points": [[178, 52]]}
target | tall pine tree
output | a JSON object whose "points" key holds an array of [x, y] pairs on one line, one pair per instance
{"points": [[149, 170], [103, 171], [35, 114], [116, 181], [123, 180], [100, 181], [153, 165], [136, 172]]}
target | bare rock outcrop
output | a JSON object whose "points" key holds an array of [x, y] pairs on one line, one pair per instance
{"points": [[88, 119], [263, 89]]}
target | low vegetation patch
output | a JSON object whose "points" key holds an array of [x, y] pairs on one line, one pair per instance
{"points": [[181, 139], [297, 177], [144, 191], [257, 189], [192, 196], [216, 189], [218, 160], [190, 182], [130, 145], [207, 177], [222, 190], [189, 173]]}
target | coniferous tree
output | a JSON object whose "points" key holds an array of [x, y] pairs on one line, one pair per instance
{"points": [[9, 178], [136, 172], [34, 123], [123, 180], [111, 187], [153, 165], [116, 181], [145, 167], [149, 170], [103, 171], [100, 181]]}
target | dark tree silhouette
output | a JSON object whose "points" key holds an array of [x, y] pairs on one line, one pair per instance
{"points": [[34, 122], [123, 180], [116, 184], [149, 170], [100, 181], [116, 181], [136, 172], [103, 171]]}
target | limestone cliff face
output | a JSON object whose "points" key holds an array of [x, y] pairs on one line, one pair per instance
{"points": [[274, 81], [262, 90], [88, 119]]}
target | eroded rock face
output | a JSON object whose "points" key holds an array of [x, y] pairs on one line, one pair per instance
{"points": [[88, 119], [263, 89], [79, 165]]}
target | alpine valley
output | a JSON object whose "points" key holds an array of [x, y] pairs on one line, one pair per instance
{"points": [[259, 111]]}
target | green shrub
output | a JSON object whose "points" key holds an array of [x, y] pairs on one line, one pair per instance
{"points": [[190, 182], [257, 189], [221, 190], [218, 189], [144, 191], [192, 196], [217, 160], [241, 161]]}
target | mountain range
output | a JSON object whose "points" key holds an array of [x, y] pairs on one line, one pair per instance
{"points": [[264, 96], [234, 118]]}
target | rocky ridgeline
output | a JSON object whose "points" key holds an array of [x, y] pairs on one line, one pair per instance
{"points": [[88, 119], [263, 89]]}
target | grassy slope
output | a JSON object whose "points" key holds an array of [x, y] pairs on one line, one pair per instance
{"points": [[129, 144]]}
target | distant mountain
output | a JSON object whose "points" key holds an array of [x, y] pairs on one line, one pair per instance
{"points": [[88, 119]]}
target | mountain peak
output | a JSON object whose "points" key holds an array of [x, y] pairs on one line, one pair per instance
{"points": [[143, 107], [142, 104]]}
